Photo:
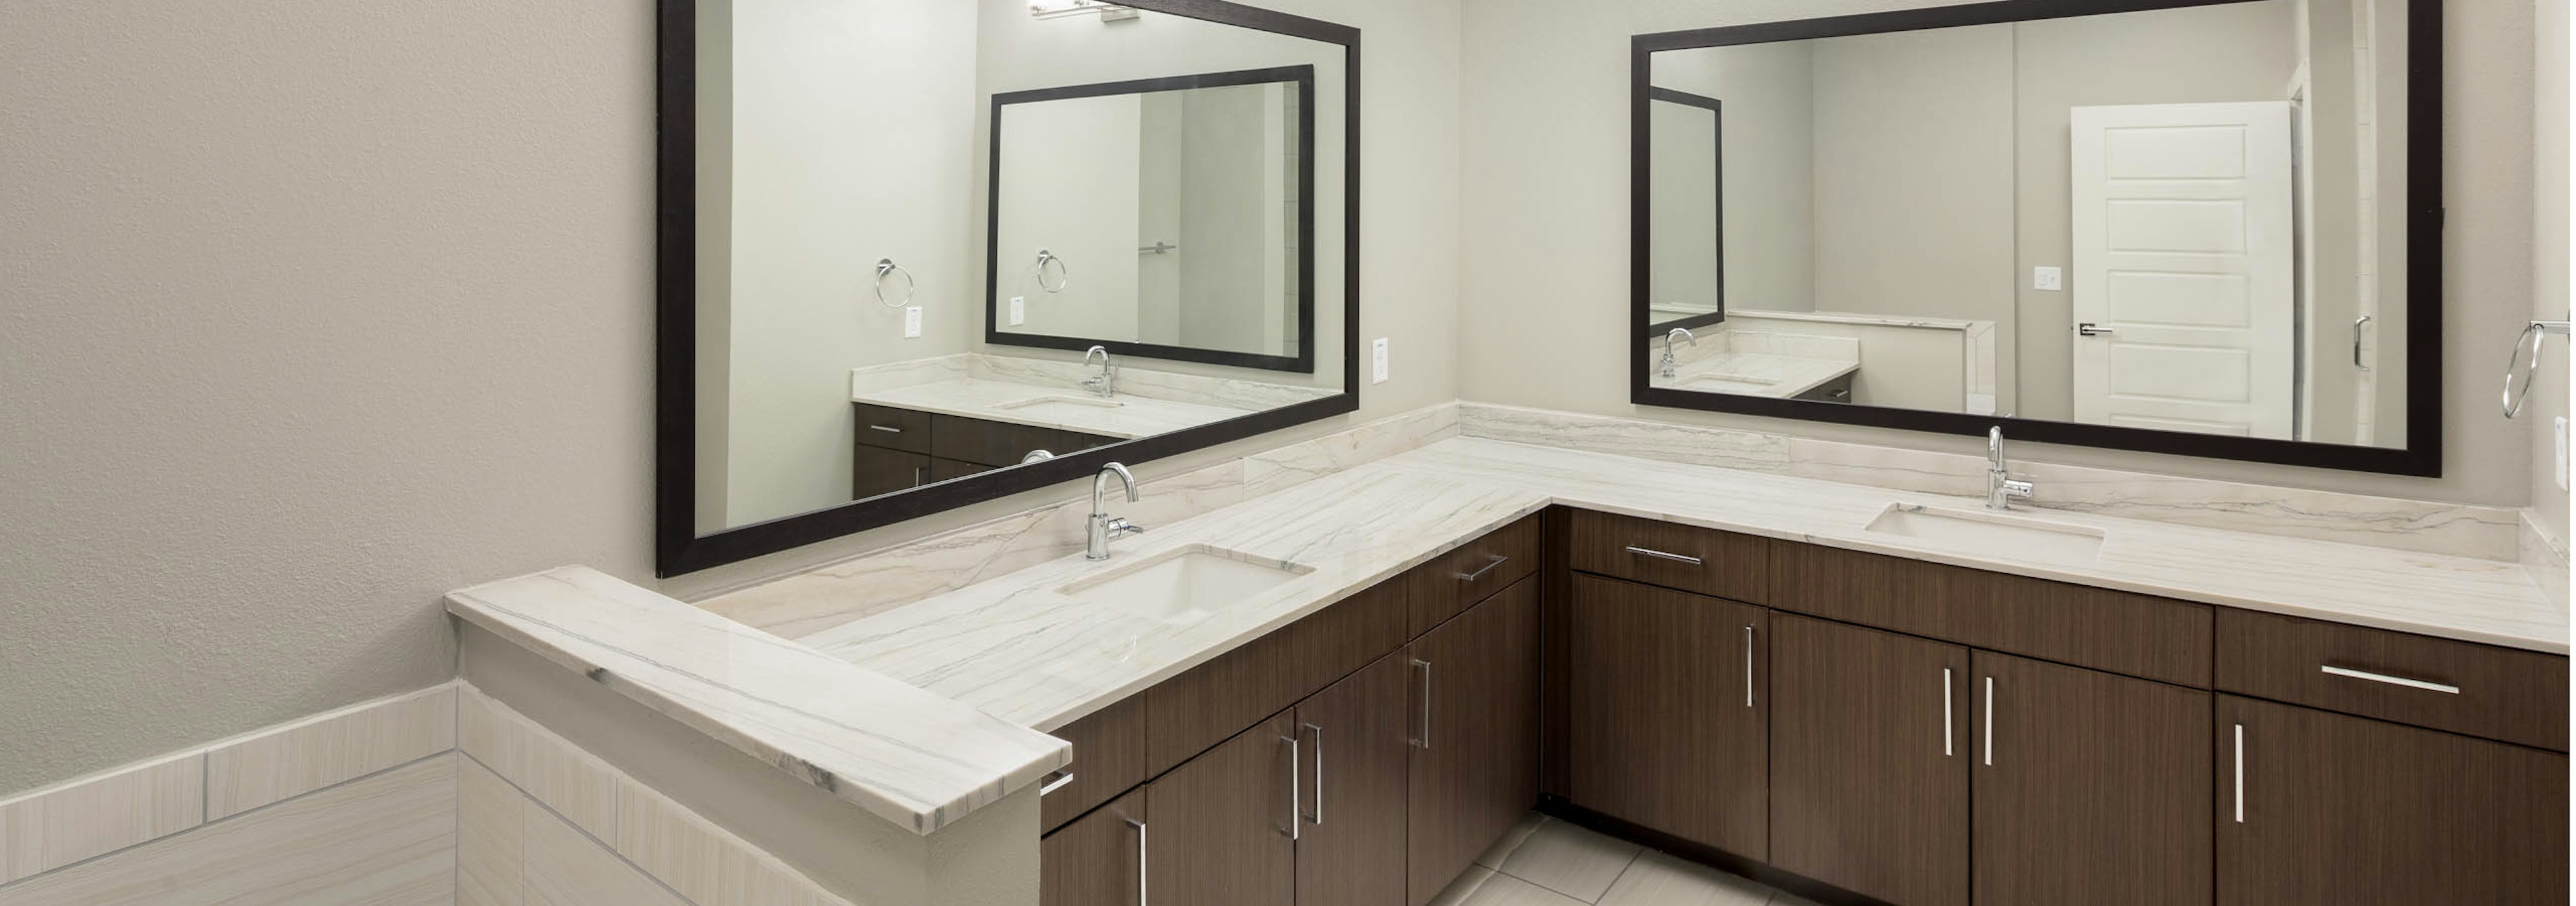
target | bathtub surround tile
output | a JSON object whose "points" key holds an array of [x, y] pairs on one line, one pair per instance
{"points": [[80, 819], [2449, 529], [388, 839], [328, 749], [488, 813], [565, 867], [552, 770], [836, 593], [895, 750]]}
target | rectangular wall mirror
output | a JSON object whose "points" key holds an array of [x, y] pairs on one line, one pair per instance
{"points": [[2188, 227], [917, 254]]}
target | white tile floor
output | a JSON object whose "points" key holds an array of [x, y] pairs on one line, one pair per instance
{"points": [[1546, 862]]}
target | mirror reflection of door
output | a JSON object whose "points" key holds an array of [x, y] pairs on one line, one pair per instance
{"points": [[1688, 281], [2189, 219]]}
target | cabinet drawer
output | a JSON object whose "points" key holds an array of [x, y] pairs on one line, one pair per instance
{"points": [[1456, 580], [2499, 693], [1201, 707], [892, 428], [1706, 561], [1001, 443], [1108, 759], [2139, 635]]}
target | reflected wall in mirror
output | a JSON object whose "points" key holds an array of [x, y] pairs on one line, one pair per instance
{"points": [[920, 253], [2194, 220], [1183, 199]]}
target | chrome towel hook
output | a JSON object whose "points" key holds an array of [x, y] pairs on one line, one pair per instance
{"points": [[887, 266], [1064, 274], [2536, 336]]}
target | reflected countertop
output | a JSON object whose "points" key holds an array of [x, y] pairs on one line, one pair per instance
{"points": [[1122, 415], [1756, 374]]}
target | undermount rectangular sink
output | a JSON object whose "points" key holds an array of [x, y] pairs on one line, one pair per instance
{"points": [[1059, 405], [1183, 586], [1985, 532], [1724, 381]]}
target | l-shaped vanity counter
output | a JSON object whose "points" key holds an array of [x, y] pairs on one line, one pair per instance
{"points": [[958, 687]]}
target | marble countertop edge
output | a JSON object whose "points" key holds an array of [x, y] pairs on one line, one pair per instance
{"points": [[902, 763]]}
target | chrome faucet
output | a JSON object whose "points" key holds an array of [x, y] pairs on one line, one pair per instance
{"points": [[1105, 528], [1106, 384], [1671, 364], [2001, 487]]}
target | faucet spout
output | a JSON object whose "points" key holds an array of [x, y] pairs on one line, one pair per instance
{"points": [[1106, 382], [1671, 364], [2001, 487], [1103, 527]]}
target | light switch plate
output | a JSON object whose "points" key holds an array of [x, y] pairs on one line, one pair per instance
{"points": [[2047, 278], [1377, 359], [1019, 310], [912, 322]]}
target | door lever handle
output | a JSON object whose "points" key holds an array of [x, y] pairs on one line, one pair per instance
{"points": [[2091, 329]]}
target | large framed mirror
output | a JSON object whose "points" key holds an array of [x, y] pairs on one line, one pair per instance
{"points": [[917, 254], [2175, 226]]}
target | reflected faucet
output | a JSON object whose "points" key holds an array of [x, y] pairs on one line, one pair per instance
{"points": [[2001, 487], [1106, 384], [1671, 364], [1105, 528]]}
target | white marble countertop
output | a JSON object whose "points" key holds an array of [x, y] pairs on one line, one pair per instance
{"points": [[1019, 649], [1754, 374], [1063, 408], [903, 754]]}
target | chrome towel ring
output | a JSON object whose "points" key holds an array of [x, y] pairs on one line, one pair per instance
{"points": [[1064, 274], [2535, 336], [887, 266]]}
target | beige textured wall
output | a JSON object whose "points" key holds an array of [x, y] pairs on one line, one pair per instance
{"points": [[312, 312], [2550, 258], [1560, 195]]}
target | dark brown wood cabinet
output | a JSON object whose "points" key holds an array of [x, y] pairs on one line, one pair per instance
{"points": [[2464, 687], [1351, 849], [1220, 826], [1869, 761], [1451, 582], [2088, 787], [1669, 719], [1108, 759], [2316, 808], [1474, 768], [877, 470], [1098, 860], [1212, 701]]}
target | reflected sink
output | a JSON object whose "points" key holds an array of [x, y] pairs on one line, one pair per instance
{"points": [[1060, 406], [1183, 586], [1990, 533]]}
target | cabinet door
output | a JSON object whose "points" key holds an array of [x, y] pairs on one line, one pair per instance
{"points": [[1869, 761], [1474, 768], [2089, 787], [1669, 719], [877, 470], [1099, 860], [2316, 807], [1351, 851], [1221, 823]]}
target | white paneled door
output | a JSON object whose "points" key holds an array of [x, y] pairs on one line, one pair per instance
{"points": [[2184, 299]]}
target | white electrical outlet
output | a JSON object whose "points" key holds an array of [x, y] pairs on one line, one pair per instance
{"points": [[2562, 453], [1377, 359], [912, 322], [1019, 310], [2047, 278]]}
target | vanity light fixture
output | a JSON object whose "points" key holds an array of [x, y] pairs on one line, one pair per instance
{"points": [[1058, 9]]}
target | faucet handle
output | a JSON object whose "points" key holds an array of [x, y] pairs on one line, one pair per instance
{"points": [[1120, 528]]}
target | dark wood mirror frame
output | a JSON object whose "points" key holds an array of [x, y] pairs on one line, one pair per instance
{"points": [[2422, 454], [1303, 77], [679, 549]]}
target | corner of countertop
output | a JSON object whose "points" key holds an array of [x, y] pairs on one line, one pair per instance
{"points": [[899, 752]]}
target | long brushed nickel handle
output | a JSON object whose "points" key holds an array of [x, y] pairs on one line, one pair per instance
{"points": [[1947, 750], [1660, 555], [1140, 860], [1318, 733], [1990, 721], [1479, 574], [1294, 805], [1054, 782], [2240, 773], [1424, 740], [2427, 685], [1748, 666]]}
